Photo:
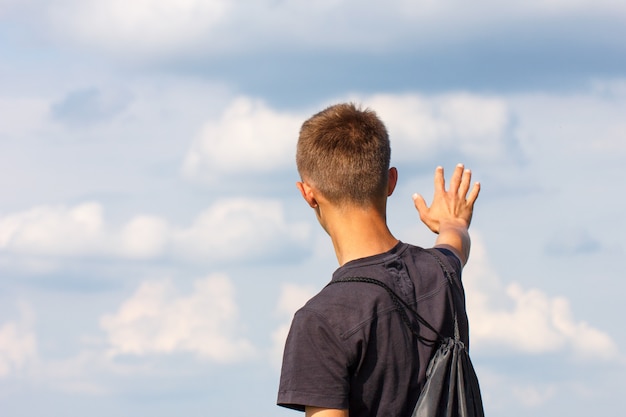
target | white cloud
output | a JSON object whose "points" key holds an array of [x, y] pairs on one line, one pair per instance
{"points": [[419, 125], [61, 231], [18, 343], [154, 26], [224, 231], [53, 230], [526, 321], [156, 319], [240, 227], [158, 27], [248, 137], [144, 237]]}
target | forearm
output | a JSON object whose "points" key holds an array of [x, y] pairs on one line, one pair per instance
{"points": [[455, 236]]}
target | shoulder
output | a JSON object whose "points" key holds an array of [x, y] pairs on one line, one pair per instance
{"points": [[449, 257], [344, 308]]}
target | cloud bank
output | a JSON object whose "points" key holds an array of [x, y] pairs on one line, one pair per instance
{"points": [[509, 318], [156, 319], [421, 126], [224, 231], [167, 26], [249, 137], [18, 343]]}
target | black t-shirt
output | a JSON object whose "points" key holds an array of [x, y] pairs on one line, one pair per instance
{"points": [[348, 347]]}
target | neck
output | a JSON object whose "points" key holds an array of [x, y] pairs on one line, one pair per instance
{"points": [[359, 232]]}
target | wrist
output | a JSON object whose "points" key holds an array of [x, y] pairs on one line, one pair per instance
{"points": [[455, 236], [453, 224]]}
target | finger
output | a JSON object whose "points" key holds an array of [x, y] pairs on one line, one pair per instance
{"points": [[455, 180], [420, 203], [440, 182], [465, 183], [473, 195]]}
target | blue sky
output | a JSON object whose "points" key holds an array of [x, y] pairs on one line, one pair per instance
{"points": [[153, 246]]}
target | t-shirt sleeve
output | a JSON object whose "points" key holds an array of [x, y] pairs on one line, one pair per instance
{"points": [[451, 260], [315, 365]]}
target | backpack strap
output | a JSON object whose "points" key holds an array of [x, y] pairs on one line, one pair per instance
{"points": [[401, 306], [450, 277]]}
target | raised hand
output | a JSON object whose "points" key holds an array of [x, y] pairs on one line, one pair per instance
{"points": [[450, 213]]}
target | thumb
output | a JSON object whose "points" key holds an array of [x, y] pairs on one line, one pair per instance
{"points": [[420, 203]]}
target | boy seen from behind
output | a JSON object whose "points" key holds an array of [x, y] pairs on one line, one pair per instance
{"points": [[348, 352]]}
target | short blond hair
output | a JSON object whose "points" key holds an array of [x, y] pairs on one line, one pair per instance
{"points": [[344, 152]]}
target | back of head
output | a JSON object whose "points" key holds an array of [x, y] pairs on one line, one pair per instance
{"points": [[344, 152]]}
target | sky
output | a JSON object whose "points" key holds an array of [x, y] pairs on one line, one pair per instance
{"points": [[154, 247]]}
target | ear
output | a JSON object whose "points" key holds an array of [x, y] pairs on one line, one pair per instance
{"points": [[392, 180], [307, 193]]}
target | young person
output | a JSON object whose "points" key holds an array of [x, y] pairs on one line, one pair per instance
{"points": [[348, 352]]}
